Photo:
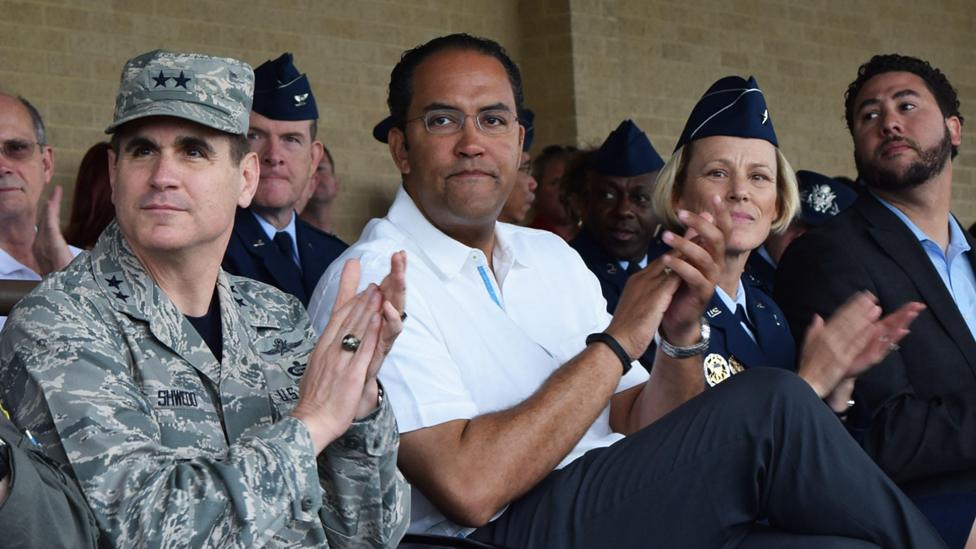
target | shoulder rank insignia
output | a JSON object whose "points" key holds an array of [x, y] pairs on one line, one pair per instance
{"points": [[735, 365], [714, 312]]}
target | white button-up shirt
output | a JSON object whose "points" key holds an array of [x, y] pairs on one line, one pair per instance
{"points": [[476, 340], [11, 269]]}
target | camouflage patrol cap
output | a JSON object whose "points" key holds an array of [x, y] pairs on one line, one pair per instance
{"points": [[213, 91]]}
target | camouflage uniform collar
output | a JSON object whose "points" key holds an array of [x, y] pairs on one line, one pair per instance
{"points": [[123, 278]]}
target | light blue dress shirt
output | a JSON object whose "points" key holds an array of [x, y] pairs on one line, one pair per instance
{"points": [[952, 265]]}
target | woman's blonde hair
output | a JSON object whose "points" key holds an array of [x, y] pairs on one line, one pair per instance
{"points": [[671, 181]]}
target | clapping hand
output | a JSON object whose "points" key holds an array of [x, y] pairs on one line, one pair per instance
{"points": [[50, 248], [339, 384], [855, 338]]}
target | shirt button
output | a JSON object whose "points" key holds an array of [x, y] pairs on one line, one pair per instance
{"points": [[307, 503]]}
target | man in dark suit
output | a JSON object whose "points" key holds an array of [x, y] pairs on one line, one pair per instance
{"points": [[914, 413], [270, 242], [612, 189]]}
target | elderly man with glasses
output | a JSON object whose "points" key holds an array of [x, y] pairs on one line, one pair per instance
{"points": [[27, 251]]}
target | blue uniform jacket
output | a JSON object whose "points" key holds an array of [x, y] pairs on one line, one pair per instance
{"points": [[250, 253], [731, 350], [760, 272], [611, 275]]}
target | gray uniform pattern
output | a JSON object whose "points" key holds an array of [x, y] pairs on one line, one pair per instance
{"points": [[213, 91], [172, 448]]}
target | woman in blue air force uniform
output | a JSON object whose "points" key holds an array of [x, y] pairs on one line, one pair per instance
{"points": [[728, 148]]}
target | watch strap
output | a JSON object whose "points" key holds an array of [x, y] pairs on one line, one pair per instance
{"points": [[687, 351]]}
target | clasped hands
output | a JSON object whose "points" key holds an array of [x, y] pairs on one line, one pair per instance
{"points": [[671, 293], [339, 384]]}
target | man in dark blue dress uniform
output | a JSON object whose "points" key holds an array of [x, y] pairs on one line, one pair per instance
{"points": [[270, 242], [619, 231]]}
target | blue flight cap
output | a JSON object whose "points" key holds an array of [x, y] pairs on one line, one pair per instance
{"points": [[733, 106], [382, 128], [626, 152], [526, 119], [822, 197], [282, 93]]}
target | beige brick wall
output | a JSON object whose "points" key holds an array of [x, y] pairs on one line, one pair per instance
{"points": [[652, 60], [587, 63], [66, 58]]}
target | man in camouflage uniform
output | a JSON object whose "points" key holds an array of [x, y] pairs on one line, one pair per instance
{"points": [[171, 387]]}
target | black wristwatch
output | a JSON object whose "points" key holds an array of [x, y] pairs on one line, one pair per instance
{"points": [[4, 460]]}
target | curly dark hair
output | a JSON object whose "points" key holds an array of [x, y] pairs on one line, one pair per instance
{"points": [[401, 79], [935, 80]]}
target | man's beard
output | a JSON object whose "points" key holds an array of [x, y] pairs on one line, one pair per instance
{"points": [[930, 163]]}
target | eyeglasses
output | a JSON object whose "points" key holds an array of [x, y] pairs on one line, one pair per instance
{"points": [[17, 149], [450, 121]]}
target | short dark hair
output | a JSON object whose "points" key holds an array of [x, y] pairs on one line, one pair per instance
{"points": [[239, 145], [401, 79], [935, 80]]}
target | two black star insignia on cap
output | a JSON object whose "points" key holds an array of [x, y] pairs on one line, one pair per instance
{"points": [[179, 81]]}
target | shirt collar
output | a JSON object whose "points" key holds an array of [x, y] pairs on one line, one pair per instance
{"points": [[10, 266], [625, 264], [270, 229], [731, 303], [764, 253], [446, 254], [957, 240]]}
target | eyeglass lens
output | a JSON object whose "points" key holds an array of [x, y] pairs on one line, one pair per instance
{"points": [[17, 149]]}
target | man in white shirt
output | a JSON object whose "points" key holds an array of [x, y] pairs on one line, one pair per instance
{"points": [[27, 251], [514, 420]]}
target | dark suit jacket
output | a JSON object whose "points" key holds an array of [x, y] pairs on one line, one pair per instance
{"points": [[250, 253], [773, 347], [916, 410], [611, 275]]}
